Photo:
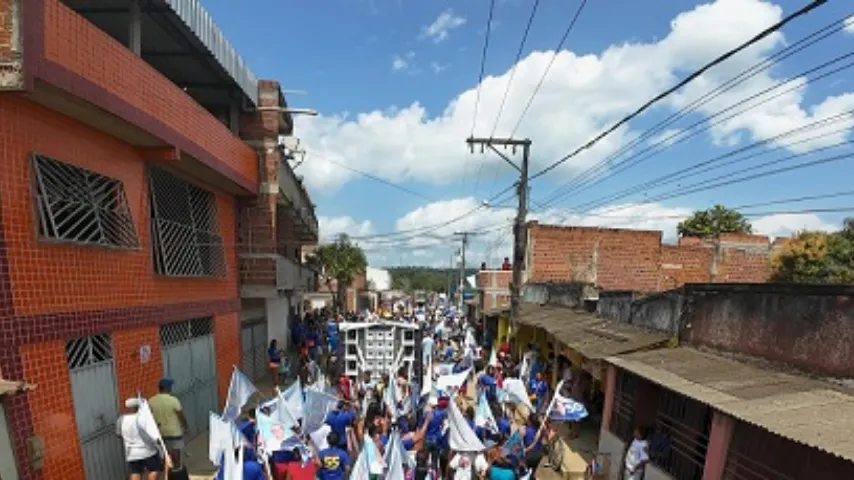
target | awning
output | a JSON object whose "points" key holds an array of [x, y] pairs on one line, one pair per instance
{"points": [[591, 336], [804, 410], [8, 387], [494, 312]]}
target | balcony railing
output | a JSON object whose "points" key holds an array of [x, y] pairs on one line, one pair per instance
{"points": [[296, 196], [291, 275]]}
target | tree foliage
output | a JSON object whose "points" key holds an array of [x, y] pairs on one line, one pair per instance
{"points": [[816, 257], [410, 279], [712, 222], [342, 260]]}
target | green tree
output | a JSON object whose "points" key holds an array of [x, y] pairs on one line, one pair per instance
{"points": [[342, 260], [816, 257], [711, 223]]}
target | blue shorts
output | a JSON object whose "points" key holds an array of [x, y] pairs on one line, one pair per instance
{"points": [[151, 464]]}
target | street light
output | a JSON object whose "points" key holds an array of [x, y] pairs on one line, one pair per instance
{"points": [[290, 111]]}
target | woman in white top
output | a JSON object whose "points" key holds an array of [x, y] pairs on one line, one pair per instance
{"points": [[468, 466], [141, 453]]}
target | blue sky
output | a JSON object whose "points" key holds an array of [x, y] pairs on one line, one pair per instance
{"points": [[389, 86]]}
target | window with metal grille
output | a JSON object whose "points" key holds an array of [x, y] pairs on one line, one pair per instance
{"points": [[78, 205], [184, 228], [623, 414], [179, 332], [681, 437], [85, 351]]}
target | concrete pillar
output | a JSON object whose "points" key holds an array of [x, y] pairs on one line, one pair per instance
{"points": [[277, 312], [610, 390], [719, 440], [135, 28]]}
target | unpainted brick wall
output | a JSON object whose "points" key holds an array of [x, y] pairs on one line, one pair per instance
{"points": [[636, 260]]}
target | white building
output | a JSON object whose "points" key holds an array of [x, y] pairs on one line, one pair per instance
{"points": [[378, 347]]}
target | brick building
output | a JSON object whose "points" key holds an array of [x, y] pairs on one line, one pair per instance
{"points": [[124, 172], [623, 259]]}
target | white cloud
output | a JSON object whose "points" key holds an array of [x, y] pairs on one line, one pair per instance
{"points": [[849, 24], [785, 224], [666, 138], [438, 67], [494, 239], [582, 95], [439, 30], [402, 63], [331, 227]]}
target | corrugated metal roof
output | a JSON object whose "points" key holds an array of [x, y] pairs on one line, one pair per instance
{"points": [[591, 336], [802, 409], [194, 15]]}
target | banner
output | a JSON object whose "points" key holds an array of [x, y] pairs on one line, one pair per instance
{"points": [[317, 407], [239, 391], [567, 409], [461, 437], [483, 416]]}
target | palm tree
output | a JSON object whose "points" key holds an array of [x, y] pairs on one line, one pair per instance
{"points": [[342, 260]]}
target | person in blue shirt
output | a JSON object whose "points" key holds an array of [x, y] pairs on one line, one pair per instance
{"points": [[435, 439], [248, 428], [533, 444], [489, 385], [334, 462], [252, 470], [274, 355], [332, 337], [338, 420], [539, 389]]}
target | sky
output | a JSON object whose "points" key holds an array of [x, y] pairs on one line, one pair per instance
{"points": [[396, 85]]}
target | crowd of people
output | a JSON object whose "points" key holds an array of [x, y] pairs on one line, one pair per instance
{"points": [[468, 410]]}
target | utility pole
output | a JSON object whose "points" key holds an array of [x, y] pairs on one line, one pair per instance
{"points": [[520, 232], [465, 239]]}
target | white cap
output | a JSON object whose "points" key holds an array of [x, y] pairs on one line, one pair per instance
{"points": [[132, 402]]}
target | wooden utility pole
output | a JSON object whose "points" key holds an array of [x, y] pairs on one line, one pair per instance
{"points": [[465, 239], [520, 232]]}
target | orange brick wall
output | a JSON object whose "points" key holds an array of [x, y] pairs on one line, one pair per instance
{"points": [[52, 409], [613, 259], [228, 351], [132, 375], [79, 46], [621, 259], [53, 277], [486, 279]]}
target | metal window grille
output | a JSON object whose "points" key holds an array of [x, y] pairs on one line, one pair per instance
{"points": [[184, 228], [623, 414], [81, 206], [179, 332], [85, 351], [681, 436]]}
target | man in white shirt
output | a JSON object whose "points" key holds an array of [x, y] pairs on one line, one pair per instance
{"points": [[468, 466], [141, 453]]}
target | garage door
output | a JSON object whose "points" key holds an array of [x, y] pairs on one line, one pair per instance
{"points": [[92, 369], [253, 339], [188, 359]]}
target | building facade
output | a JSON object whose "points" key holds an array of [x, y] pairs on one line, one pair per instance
{"points": [[124, 182]]}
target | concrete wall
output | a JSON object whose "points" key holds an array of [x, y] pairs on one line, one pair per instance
{"points": [[615, 448], [278, 312], [567, 294], [616, 306], [661, 311], [808, 327]]}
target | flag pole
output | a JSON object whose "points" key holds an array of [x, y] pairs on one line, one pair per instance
{"points": [[549, 410]]}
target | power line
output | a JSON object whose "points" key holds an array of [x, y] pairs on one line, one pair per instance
{"points": [[703, 186], [509, 83], [482, 63], [378, 179], [690, 78], [669, 142], [692, 131], [549, 67], [515, 65], [437, 226]]}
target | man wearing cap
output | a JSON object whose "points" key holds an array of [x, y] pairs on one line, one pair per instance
{"points": [[170, 419], [141, 452]]}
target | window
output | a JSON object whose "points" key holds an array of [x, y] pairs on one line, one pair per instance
{"points": [[84, 351], [80, 206], [184, 228], [181, 332]]}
